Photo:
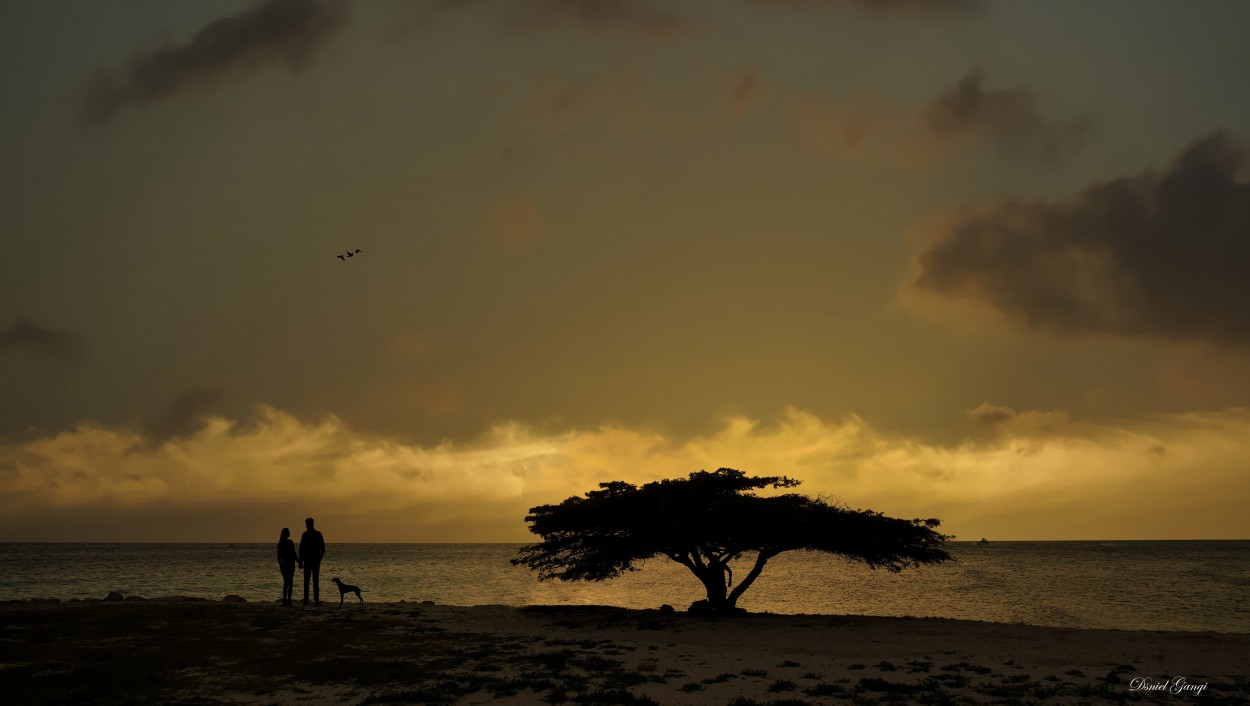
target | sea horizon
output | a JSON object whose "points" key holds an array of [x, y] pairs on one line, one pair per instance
{"points": [[1186, 585]]}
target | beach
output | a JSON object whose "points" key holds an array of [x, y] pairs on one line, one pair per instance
{"points": [[189, 651]]}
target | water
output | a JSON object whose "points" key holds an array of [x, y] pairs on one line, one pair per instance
{"points": [[1183, 585]]}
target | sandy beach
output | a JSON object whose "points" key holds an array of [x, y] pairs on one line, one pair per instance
{"points": [[171, 651]]}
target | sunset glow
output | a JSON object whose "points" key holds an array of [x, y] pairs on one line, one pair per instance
{"points": [[981, 261]]}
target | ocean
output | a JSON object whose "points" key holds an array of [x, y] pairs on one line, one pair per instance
{"points": [[1126, 585]]}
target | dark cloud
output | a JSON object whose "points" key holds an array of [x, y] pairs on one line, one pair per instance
{"points": [[1162, 255], [921, 8], [648, 17], [991, 413], [272, 31], [29, 336], [640, 15], [184, 417], [1009, 116]]}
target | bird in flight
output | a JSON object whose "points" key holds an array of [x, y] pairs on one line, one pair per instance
{"points": [[349, 254]]}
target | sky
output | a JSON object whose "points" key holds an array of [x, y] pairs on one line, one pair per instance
{"points": [[985, 261]]}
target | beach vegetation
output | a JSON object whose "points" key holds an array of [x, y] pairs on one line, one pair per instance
{"points": [[824, 689], [720, 678], [782, 685], [707, 522]]}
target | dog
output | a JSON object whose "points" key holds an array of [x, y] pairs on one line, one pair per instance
{"points": [[345, 589]]}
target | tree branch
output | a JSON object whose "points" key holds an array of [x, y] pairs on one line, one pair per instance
{"points": [[760, 560], [682, 559], [698, 560]]}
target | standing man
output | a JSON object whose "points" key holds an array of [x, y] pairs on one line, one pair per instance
{"points": [[312, 546]]}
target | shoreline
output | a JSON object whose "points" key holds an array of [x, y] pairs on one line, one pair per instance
{"points": [[118, 597], [205, 651]]}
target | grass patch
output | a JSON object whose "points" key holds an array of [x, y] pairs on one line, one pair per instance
{"points": [[966, 666], [824, 689], [720, 678], [782, 685]]}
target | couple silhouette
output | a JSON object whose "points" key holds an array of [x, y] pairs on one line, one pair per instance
{"points": [[312, 546]]}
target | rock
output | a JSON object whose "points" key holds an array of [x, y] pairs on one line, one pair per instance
{"points": [[114, 596], [428, 603], [666, 608], [136, 599], [234, 598]]}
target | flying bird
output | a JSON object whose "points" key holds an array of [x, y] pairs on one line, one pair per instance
{"points": [[349, 253]]}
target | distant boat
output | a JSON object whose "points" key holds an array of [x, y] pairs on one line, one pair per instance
{"points": [[983, 541]]}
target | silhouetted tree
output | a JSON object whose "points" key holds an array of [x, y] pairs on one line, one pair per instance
{"points": [[704, 523]]}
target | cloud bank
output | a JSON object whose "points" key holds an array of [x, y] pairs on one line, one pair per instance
{"points": [[1162, 255], [1041, 475], [274, 31]]}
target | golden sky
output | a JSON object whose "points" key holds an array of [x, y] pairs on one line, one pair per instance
{"points": [[985, 261]]}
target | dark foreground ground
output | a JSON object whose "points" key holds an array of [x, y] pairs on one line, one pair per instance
{"points": [[227, 653]]}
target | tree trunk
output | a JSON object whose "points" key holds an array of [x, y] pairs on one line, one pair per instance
{"points": [[719, 600]]}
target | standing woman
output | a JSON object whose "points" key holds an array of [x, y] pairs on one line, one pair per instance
{"points": [[286, 563]]}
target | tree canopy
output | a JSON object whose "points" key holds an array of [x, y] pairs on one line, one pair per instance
{"points": [[707, 521]]}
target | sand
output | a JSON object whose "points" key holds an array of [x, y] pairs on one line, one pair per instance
{"points": [[247, 653]]}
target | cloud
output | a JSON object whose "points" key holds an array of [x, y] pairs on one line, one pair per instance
{"points": [[644, 17], [270, 32], [634, 15], [992, 413], [1146, 475], [1163, 255], [1007, 116], [25, 335], [928, 9], [1022, 426], [185, 416]]}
